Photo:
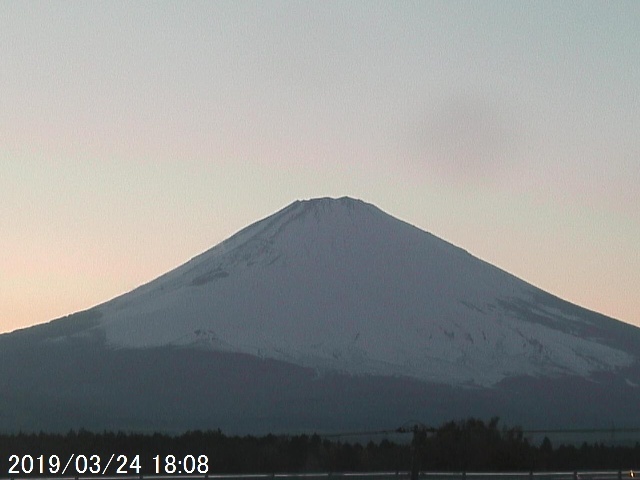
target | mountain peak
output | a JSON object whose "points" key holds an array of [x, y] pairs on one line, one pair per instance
{"points": [[329, 205], [344, 200], [332, 202]]}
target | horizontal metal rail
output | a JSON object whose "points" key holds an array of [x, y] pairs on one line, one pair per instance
{"points": [[556, 475]]}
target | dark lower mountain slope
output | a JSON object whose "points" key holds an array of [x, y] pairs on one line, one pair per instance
{"points": [[87, 385]]}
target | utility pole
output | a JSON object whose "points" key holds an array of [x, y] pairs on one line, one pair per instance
{"points": [[417, 447]]}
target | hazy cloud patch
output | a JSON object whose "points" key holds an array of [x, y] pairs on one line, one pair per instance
{"points": [[467, 140]]}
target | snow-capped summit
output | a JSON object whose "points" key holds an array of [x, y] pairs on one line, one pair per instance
{"points": [[329, 315], [337, 284]]}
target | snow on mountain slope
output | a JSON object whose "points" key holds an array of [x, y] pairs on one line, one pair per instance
{"points": [[341, 285]]}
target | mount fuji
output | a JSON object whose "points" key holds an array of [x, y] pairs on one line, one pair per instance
{"points": [[328, 315]]}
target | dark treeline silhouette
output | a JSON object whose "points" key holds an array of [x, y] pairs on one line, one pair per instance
{"points": [[469, 445]]}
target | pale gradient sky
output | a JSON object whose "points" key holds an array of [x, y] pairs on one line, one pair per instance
{"points": [[135, 135]]}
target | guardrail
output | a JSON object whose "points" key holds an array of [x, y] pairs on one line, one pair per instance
{"points": [[558, 475]]}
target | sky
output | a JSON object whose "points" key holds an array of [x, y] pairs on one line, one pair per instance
{"points": [[136, 135]]}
